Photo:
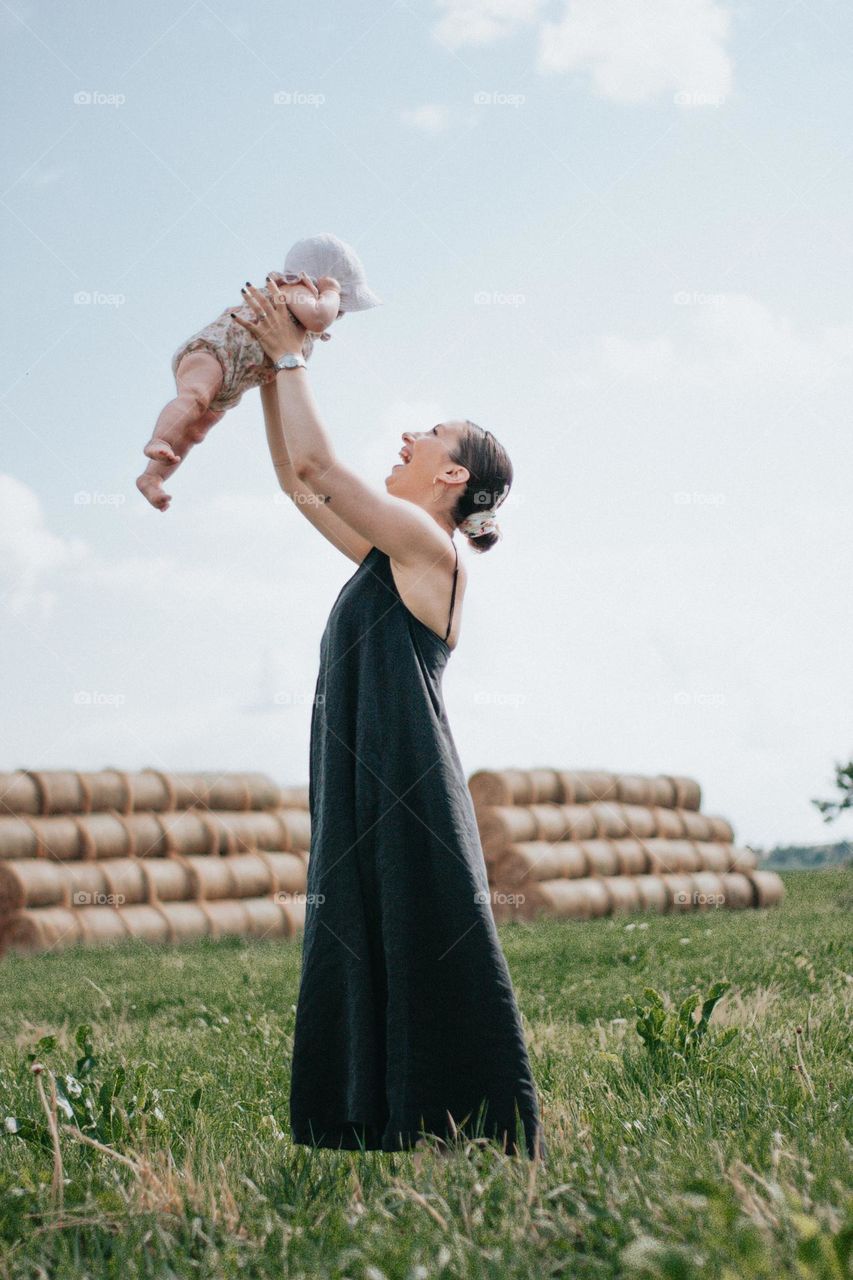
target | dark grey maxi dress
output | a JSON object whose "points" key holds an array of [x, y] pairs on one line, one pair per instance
{"points": [[406, 1010]]}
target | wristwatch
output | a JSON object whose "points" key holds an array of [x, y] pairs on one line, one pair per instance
{"points": [[290, 361]]}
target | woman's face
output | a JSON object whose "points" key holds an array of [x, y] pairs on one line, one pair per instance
{"points": [[424, 456]]}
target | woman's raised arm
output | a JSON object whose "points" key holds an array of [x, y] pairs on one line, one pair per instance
{"points": [[304, 498]]}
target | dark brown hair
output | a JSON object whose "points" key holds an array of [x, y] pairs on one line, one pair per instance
{"points": [[490, 473]]}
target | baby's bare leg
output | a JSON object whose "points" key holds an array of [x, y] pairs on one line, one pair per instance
{"points": [[184, 422], [198, 378]]}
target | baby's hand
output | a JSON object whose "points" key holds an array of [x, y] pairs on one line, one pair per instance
{"points": [[315, 310]]}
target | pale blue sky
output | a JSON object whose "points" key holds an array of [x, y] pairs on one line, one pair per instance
{"points": [[616, 233]]}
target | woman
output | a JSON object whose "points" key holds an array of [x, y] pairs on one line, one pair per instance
{"points": [[406, 1021]]}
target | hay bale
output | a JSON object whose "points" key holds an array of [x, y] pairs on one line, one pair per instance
{"points": [[624, 894], [632, 857], [169, 879], [19, 793], [541, 860], [708, 890], [147, 922], [671, 856], [652, 893], [739, 890], [601, 857], [768, 887], [41, 929], [679, 890], [289, 871], [30, 882]]}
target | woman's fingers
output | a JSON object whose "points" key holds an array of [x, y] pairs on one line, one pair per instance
{"points": [[256, 299], [306, 279]]}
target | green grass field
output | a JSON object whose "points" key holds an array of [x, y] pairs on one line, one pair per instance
{"points": [[675, 1155]]}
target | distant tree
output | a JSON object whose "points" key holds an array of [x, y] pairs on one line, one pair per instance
{"points": [[830, 809]]}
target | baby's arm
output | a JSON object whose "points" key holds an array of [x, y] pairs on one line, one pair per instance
{"points": [[315, 313]]}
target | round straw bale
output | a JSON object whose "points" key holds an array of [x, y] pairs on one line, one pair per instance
{"points": [[19, 793], [289, 871], [652, 893], [500, 787], [581, 786], [189, 831], [769, 887], [295, 831], [624, 894], [738, 889], [102, 924], [680, 891], [147, 921], [721, 828], [708, 890], [673, 856], [639, 821], [251, 875], [541, 860], [713, 856], [30, 882], [127, 880], [150, 789], [185, 920], [688, 793], [631, 856], [293, 797], [59, 790], [294, 907], [669, 823], [18, 837], [210, 877], [107, 789], [228, 918], [601, 856], [42, 929], [265, 918], [742, 859], [169, 879]]}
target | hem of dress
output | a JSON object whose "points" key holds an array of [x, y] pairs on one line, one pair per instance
{"points": [[357, 1136]]}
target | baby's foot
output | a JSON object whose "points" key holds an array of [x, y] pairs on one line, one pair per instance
{"points": [[151, 487], [160, 450]]}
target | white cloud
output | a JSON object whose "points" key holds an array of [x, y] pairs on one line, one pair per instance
{"points": [[633, 50], [29, 552], [636, 49], [432, 118], [482, 21]]}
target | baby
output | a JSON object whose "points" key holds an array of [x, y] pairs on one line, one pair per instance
{"points": [[215, 366]]}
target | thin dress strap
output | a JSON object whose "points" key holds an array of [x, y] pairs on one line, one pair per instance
{"points": [[453, 594]]}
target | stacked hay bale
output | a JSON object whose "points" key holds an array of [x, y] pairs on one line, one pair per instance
{"points": [[585, 843], [91, 858]]}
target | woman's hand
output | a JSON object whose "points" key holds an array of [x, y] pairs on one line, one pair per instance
{"points": [[274, 326]]}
